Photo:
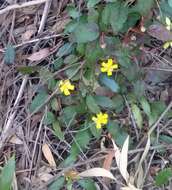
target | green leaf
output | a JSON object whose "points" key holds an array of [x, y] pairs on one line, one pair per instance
{"points": [[106, 14], [96, 132], [57, 130], [7, 174], [54, 104], [163, 177], [119, 134], [38, 101], [28, 69], [143, 7], [66, 49], [118, 16], [86, 32], [118, 103], [72, 11], [58, 184], [145, 105], [109, 82], [87, 184], [137, 115], [49, 118], [70, 59], [81, 140], [92, 106], [104, 102], [9, 55], [165, 138], [93, 16], [92, 3]]}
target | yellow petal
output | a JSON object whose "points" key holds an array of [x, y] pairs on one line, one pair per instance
{"points": [[94, 119], [115, 66], [109, 73], [98, 126], [103, 64], [167, 20], [66, 92], [110, 62], [103, 69], [71, 87], [166, 45]]}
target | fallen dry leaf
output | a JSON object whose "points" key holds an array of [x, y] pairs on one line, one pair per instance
{"points": [[15, 140], [108, 160], [30, 31], [160, 32], [97, 172], [48, 155], [41, 54]]}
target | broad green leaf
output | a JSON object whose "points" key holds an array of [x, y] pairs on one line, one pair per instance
{"points": [[54, 104], [87, 184], [9, 54], [70, 27], [163, 177], [6, 176], [81, 140], [104, 102], [118, 103], [118, 16], [69, 114], [145, 105], [106, 13], [57, 64], [72, 11], [165, 8], [93, 52], [92, 3], [139, 88], [66, 49], [165, 138], [70, 59], [86, 32], [49, 118], [93, 15], [28, 69], [96, 132], [38, 101], [109, 82], [92, 106], [57, 130], [143, 7], [73, 73], [118, 133], [137, 115], [58, 184]]}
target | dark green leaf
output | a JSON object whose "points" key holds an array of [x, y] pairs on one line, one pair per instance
{"points": [[38, 101], [87, 184], [165, 138], [28, 69], [92, 106], [137, 115], [118, 17], [109, 82], [104, 102], [145, 105], [7, 174], [57, 130], [72, 11], [58, 184], [93, 16], [92, 3], [70, 59], [96, 132], [49, 118], [163, 177], [143, 7], [9, 55], [66, 49], [118, 103], [117, 133], [86, 32]]}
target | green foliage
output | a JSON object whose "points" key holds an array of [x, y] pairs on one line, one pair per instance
{"points": [[108, 82], [58, 184], [104, 102], [7, 173], [163, 177], [92, 3], [87, 184], [86, 32], [57, 130], [91, 103], [9, 55], [38, 101], [137, 115], [49, 118]]}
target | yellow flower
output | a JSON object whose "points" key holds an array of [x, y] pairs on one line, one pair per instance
{"points": [[109, 67], [168, 23], [100, 120], [65, 87], [167, 45]]}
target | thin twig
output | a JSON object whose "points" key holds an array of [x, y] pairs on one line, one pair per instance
{"points": [[19, 6]]}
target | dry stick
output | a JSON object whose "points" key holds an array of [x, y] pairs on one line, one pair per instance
{"points": [[18, 6], [147, 147], [9, 123]]}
